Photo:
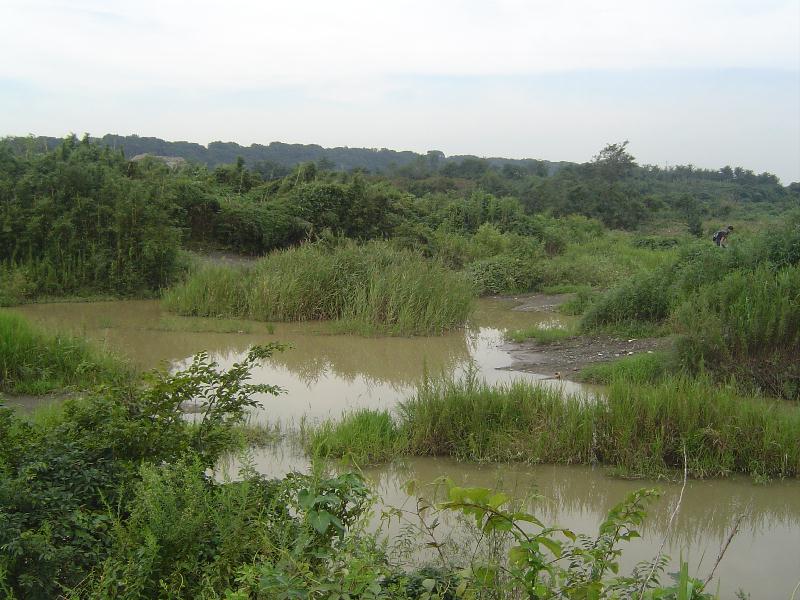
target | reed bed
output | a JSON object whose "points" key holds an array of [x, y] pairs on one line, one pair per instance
{"points": [[641, 430], [35, 362], [370, 288], [365, 436]]}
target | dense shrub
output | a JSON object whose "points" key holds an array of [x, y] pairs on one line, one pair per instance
{"points": [[66, 481], [746, 325], [74, 222]]}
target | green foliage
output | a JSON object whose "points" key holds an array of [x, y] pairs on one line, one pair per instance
{"points": [[519, 556], [503, 274], [368, 288], [66, 480], [747, 326], [35, 362], [584, 297], [653, 295], [640, 368], [737, 307], [639, 428], [364, 436], [74, 221], [109, 496]]}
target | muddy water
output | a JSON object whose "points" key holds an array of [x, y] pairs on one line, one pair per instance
{"points": [[763, 558], [326, 374], [323, 374]]}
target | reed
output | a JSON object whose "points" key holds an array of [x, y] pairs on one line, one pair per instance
{"points": [[371, 288], [364, 436], [639, 429], [35, 362]]}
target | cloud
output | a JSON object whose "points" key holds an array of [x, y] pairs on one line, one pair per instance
{"points": [[710, 82]]}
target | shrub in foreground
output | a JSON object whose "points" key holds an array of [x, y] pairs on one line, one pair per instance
{"points": [[66, 481]]}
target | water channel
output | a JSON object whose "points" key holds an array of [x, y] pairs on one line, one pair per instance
{"points": [[326, 374]]}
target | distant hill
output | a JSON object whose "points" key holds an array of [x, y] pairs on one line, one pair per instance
{"points": [[285, 155]]}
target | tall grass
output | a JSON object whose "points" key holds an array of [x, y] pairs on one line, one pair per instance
{"points": [[746, 325], [35, 362], [369, 288], [473, 421], [640, 368], [365, 436], [640, 429]]}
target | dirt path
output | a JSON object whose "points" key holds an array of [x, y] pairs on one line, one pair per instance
{"points": [[564, 359]]}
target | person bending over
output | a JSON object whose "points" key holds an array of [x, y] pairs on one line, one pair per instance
{"points": [[722, 236]]}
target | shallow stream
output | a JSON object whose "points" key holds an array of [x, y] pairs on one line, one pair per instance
{"points": [[326, 374]]}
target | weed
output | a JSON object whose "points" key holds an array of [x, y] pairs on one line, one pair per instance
{"points": [[35, 362], [544, 333], [369, 287]]}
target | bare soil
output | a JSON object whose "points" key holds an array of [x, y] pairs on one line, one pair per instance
{"points": [[563, 359], [540, 302]]}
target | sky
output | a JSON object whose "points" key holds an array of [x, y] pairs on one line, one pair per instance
{"points": [[703, 82]]}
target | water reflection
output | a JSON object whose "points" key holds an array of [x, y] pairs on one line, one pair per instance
{"points": [[763, 558], [324, 374]]}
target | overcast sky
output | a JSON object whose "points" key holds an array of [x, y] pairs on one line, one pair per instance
{"points": [[708, 82]]}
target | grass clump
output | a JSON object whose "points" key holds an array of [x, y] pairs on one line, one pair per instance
{"points": [[640, 368], [35, 362], [473, 421], [369, 288], [364, 436], [544, 333], [747, 326], [640, 429], [580, 303]]}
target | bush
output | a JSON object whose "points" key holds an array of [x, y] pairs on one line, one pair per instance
{"points": [[505, 274], [747, 326], [652, 296], [66, 481]]}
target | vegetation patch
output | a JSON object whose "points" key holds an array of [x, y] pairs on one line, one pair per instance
{"points": [[640, 368], [364, 436], [746, 326], [372, 286], [108, 496], [642, 429], [544, 333], [35, 362]]}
